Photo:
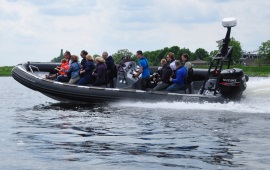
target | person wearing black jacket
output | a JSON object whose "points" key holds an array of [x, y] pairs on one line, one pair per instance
{"points": [[83, 55], [164, 81], [110, 66]]}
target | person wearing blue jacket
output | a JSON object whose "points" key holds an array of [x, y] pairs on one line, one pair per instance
{"points": [[73, 73], [179, 81], [144, 70], [86, 73], [74, 70]]}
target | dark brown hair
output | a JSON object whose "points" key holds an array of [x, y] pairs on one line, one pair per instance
{"points": [[186, 56], [84, 52], [68, 53], [171, 55], [139, 52]]}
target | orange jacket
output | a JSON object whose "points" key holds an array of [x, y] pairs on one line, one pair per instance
{"points": [[64, 66]]}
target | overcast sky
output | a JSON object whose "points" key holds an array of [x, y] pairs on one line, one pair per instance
{"points": [[36, 30]]}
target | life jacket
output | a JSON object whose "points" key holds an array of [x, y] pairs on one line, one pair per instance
{"points": [[64, 66], [146, 62]]}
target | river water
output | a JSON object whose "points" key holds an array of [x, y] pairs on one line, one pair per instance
{"points": [[40, 133]]}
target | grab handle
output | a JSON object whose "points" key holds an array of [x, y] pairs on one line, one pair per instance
{"points": [[30, 66]]}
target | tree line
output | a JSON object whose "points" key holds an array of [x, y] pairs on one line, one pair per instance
{"points": [[154, 57]]}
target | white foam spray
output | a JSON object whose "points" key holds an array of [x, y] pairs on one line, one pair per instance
{"points": [[256, 100]]}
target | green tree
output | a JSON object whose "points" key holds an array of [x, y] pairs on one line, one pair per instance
{"points": [[192, 57], [264, 51], [175, 50], [96, 55], [151, 56], [184, 51], [237, 50], [121, 54], [154, 57], [201, 54], [59, 58], [213, 53]]}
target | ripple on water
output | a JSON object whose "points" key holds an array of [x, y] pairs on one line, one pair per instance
{"points": [[119, 135]]}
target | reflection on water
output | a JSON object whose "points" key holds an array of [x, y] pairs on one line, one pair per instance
{"points": [[41, 133]]}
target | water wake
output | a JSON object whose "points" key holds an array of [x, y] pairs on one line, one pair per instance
{"points": [[256, 100]]}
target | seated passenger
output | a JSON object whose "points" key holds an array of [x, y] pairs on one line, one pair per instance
{"points": [[110, 68], [60, 69], [189, 77], [100, 72], [86, 74], [67, 56], [188, 65], [185, 61], [164, 81], [178, 82], [73, 73], [84, 60], [171, 61]]}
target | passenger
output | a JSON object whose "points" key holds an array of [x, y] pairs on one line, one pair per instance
{"points": [[60, 69], [185, 61], [171, 61], [83, 55], [164, 81], [100, 72], [188, 65], [86, 74], [178, 82], [189, 77], [110, 67], [144, 70], [73, 73], [67, 55]]}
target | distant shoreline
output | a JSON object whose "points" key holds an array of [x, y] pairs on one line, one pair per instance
{"points": [[5, 71]]}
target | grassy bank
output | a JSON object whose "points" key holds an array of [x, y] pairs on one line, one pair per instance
{"points": [[258, 71], [253, 71], [5, 70]]}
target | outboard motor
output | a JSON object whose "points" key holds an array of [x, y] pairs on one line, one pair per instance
{"points": [[232, 83], [229, 83]]}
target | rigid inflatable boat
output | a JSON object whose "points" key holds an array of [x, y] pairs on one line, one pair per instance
{"points": [[218, 83]]}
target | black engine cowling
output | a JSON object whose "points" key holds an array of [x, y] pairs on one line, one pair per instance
{"points": [[232, 83]]}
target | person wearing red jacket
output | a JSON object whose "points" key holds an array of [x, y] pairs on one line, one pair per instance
{"points": [[61, 69]]}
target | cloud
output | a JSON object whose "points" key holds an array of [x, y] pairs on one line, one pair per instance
{"points": [[9, 15], [37, 30], [68, 9]]}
